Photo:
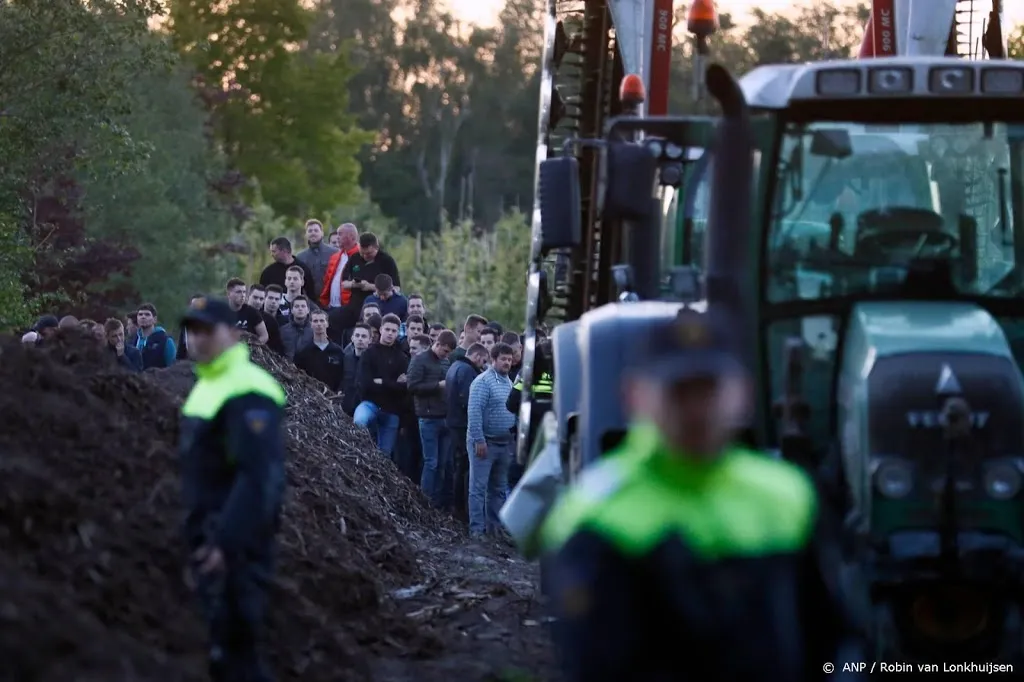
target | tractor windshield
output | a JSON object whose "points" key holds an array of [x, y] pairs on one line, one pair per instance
{"points": [[855, 205]]}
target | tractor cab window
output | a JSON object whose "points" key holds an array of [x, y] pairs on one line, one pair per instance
{"points": [[856, 206], [696, 202]]}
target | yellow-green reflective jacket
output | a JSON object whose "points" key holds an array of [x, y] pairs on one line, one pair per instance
{"points": [[232, 453], [543, 385], [743, 504]]}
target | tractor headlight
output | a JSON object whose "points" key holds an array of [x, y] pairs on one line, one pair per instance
{"points": [[1002, 481], [656, 147], [894, 479]]}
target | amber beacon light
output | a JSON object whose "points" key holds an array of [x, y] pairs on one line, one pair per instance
{"points": [[632, 90], [702, 18]]}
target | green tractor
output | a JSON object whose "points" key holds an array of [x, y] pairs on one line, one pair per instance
{"points": [[867, 219]]}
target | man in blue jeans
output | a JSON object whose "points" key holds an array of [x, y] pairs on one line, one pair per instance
{"points": [[427, 373], [381, 383], [489, 442]]}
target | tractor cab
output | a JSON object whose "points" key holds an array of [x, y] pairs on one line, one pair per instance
{"points": [[889, 294], [883, 284]]}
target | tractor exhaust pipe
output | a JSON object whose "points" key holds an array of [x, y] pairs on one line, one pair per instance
{"points": [[727, 236]]}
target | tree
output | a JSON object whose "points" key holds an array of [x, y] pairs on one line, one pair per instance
{"points": [[1015, 44], [65, 72], [816, 31], [281, 113], [455, 107], [461, 269], [166, 211]]}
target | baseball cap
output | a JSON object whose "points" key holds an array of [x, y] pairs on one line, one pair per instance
{"points": [[692, 345], [210, 312], [46, 322]]}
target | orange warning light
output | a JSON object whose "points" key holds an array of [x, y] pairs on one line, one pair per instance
{"points": [[632, 89], [702, 18]]}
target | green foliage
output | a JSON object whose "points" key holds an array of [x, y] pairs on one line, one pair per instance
{"points": [[262, 227], [281, 113], [812, 31], [365, 213], [454, 106], [461, 269], [164, 210], [66, 70], [64, 73], [1015, 44], [15, 312]]}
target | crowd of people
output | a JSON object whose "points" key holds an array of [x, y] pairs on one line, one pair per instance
{"points": [[437, 400]]}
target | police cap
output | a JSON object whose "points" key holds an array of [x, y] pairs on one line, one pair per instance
{"points": [[209, 312], [692, 345]]}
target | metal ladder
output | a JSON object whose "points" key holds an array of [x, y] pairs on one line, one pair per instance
{"points": [[972, 22], [967, 44], [583, 82]]}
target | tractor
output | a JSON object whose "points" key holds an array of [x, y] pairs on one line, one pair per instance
{"points": [[866, 220]]}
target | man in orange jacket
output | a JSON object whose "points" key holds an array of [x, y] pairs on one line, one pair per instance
{"points": [[333, 295]]}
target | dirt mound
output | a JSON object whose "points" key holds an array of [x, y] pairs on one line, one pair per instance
{"points": [[89, 509]]}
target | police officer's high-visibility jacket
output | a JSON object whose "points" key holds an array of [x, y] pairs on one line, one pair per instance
{"points": [[665, 568], [543, 388], [232, 454]]}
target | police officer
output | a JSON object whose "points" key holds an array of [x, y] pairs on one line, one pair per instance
{"points": [[543, 392], [233, 475], [682, 556]]}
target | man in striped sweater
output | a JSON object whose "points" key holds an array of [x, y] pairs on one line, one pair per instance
{"points": [[489, 442]]}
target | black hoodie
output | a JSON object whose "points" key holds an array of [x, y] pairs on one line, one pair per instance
{"points": [[386, 363]]}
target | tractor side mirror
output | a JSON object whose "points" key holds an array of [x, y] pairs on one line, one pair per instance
{"points": [[685, 284], [558, 193], [632, 172], [622, 275]]}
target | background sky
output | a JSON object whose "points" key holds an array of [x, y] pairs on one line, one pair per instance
{"points": [[485, 11]]}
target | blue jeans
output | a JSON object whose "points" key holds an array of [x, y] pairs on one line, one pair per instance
{"points": [[368, 414], [437, 466], [488, 485]]}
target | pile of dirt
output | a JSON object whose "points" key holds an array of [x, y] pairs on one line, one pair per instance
{"points": [[90, 529]]}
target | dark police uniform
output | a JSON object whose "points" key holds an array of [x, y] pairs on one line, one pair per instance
{"points": [[232, 455], [543, 395], [665, 567]]}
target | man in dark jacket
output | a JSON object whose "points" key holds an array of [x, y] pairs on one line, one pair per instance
{"points": [[257, 300], [298, 333], [427, 374], [127, 357], [281, 252], [353, 355], [382, 385], [387, 299], [456, 393], [323, 359], [360, 273], [152, 340]]}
